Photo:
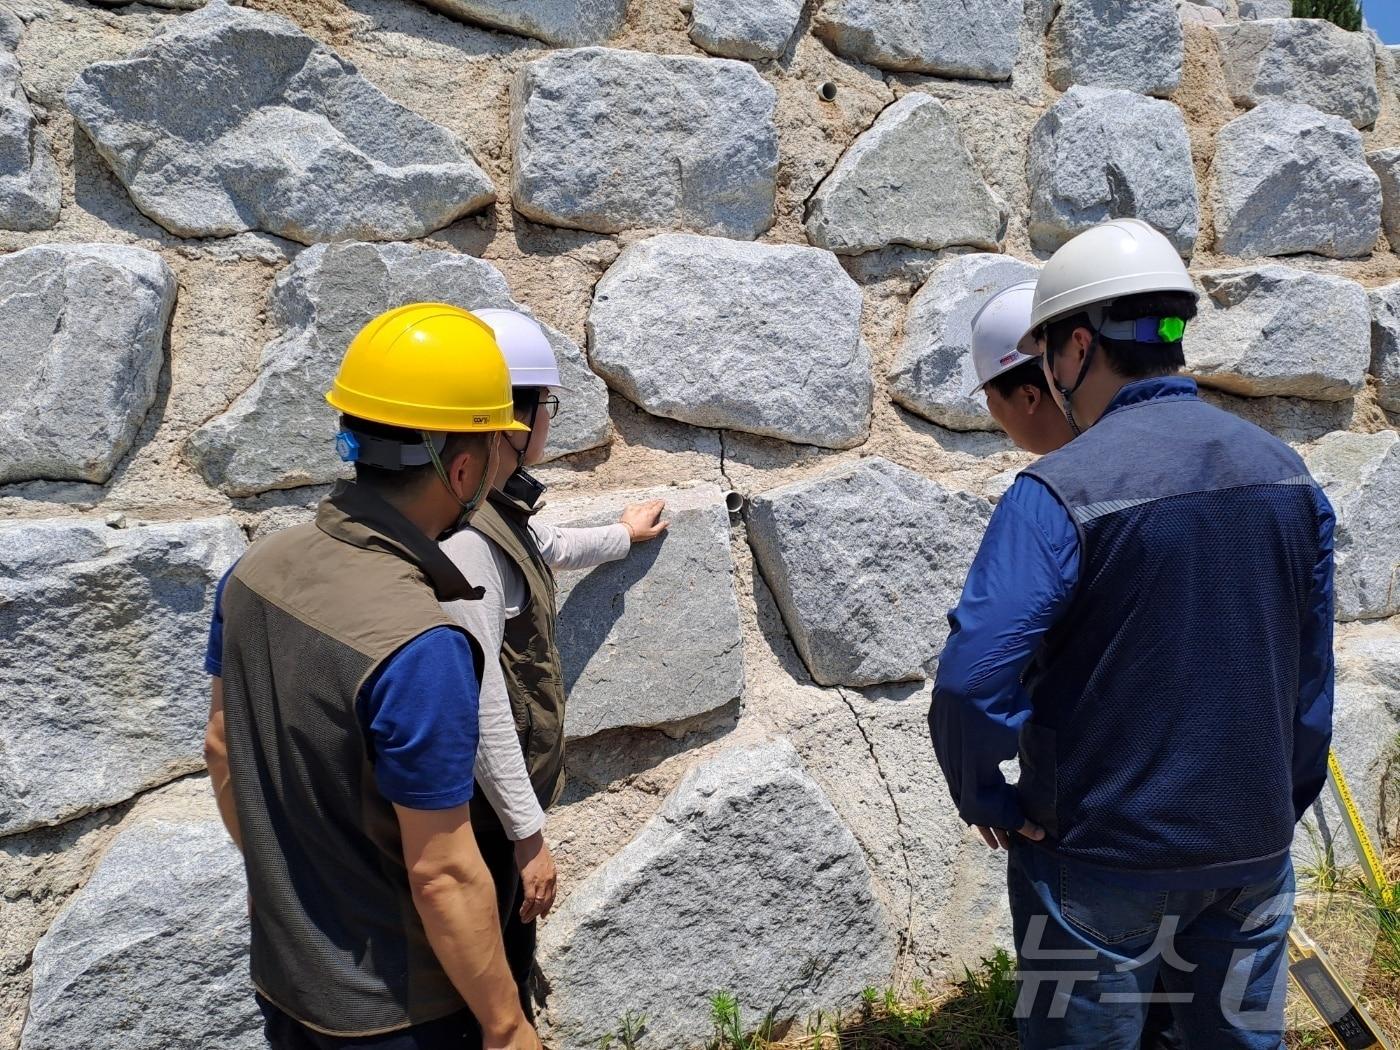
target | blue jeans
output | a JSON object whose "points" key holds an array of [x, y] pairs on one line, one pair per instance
{"points": [[1089, 953]]}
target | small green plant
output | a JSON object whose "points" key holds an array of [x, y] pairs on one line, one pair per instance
{"points": [[977, 1014], [1386, 915], [728, 1022], [1320, 872], [629, 1031], [1345, 13], [1310, 1039], [994, 984]]}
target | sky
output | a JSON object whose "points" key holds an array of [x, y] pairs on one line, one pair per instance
{"points": [[1384, 17]]}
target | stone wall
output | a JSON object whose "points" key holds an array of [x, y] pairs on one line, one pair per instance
{"points": [[756, 231]]}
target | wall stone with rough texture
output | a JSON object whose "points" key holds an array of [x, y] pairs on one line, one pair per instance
{"points": [[83, 328], [704, 896], [1306, 60], [1290, 179], [848, 179], [279, 433], [652, 640], [102, 692], [269, 131]]}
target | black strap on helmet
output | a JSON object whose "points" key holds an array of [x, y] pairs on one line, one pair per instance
{"points": [[355, 446]]}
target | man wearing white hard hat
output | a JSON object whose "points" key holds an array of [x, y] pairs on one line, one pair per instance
{"points": [[1006, 364], [511, 558], [1148, 627]]}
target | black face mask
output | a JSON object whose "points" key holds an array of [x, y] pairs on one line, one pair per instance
{"points": [[524, 487]]}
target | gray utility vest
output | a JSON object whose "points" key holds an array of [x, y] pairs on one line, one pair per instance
{"points": [[310, 613], [529, 653]]}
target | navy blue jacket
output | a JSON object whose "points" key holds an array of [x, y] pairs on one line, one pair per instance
{"points": [[1148, 627]]}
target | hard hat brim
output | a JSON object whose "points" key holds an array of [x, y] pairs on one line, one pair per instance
{"points": [[493, 419], [1020, 360], [542, 377]]}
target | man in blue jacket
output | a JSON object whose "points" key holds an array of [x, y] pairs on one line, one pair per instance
{"points": [[1148, 626]]}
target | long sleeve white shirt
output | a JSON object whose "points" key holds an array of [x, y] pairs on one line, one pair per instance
{"points": [[500, 764]]}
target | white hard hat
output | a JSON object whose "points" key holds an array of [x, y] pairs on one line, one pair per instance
{"points": [[999, 338], [1113, 259], [525, 347]]}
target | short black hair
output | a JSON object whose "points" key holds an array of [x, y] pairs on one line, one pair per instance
{"points": [[1027, 373], [1128, 358], [408, 480], [525, 398]]}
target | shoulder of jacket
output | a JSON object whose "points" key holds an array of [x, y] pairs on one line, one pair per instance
{"points": [[476, 554], [283, 543]]}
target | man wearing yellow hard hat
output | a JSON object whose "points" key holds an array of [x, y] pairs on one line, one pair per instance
{"points": [[343, 730]]}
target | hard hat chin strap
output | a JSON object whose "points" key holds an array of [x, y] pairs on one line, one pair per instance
{"points": [[469, 506], [1096, 314], [521, 452], [1067, 393]]}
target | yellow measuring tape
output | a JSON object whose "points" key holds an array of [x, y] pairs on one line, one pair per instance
{"points": [[1356, 827]]}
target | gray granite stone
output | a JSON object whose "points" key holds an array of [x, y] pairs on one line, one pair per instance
{"points": [[753, 29], [1385, 344], [1361, 476], [103, 693], [82, 335], [652, 640], [563, 23], [908, 180], [280, 433], [745, 881], [30, 193], [1137, 45], [933, 369], [1100, 154], [1291, 179], [1277, 331], [152, 953], [864, 561], [231, 120], [1386, 164], [1305, 60], [948, 38], [609, 140], [718, 333]]}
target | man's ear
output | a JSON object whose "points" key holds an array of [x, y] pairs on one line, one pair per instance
{"points": [[1079, 342], [1070, 359], [474, 457], [1084, 338], [1033, 395]]}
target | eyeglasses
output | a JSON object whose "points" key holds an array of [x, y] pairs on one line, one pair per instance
{"points": [[551, 405]]}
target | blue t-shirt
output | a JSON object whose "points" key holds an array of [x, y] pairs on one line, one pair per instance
{"points": [[419, 712]]}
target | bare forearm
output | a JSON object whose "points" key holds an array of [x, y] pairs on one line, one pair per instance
{"points": [[456, 902], [223, 795], [458, 911], [216, 758]]}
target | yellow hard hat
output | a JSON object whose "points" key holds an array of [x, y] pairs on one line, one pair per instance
{"points": [[427, 366]]}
